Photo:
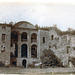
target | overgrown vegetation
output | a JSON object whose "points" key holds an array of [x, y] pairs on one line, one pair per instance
{"points": [[69, 31], [49, 59]]}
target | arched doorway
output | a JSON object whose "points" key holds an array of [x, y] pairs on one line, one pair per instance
{"points": [[24, 63], [24, 50]]}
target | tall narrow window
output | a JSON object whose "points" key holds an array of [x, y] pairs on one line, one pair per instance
{"points": [[24, 50], [52, 37], [43, 39], [68, 49], [14, 36], [3, 37], [34, 51]]}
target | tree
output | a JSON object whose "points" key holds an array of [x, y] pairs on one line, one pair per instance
{"points": [[37, 26]]}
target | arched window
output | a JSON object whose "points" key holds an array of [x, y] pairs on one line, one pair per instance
{"points": [[34, 37], [24, 50], [24, 36], [14, 36], [34, 51]]}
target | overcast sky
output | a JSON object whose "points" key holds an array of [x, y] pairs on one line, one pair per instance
{"points": [[43, 13]]}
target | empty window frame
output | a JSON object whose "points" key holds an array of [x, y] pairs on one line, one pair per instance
{"points": [[3, 37], [24, 36], [44, 39], [34, 51], [14, 36], [34, 37], [52, 37]]}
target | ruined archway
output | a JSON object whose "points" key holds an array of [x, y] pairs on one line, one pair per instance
{"points": [[34, 51], [24, 36], [24, 50], [24, 63], [34, 37]]}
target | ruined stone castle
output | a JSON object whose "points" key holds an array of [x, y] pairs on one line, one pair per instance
{"points": [[22, 43]]}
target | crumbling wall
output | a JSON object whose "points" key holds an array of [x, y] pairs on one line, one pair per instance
{"points": [[59, 46], [5, 44]]}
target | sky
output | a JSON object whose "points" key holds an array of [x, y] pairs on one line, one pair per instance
{"points": [[41, 12]]}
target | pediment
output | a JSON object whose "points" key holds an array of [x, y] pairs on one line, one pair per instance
{"points": [[24, 24]]}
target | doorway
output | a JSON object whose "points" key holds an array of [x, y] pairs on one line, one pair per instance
{"points": [[24, 63]]}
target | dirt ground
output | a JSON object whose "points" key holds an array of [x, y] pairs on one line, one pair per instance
{"points": [[37, 71]]}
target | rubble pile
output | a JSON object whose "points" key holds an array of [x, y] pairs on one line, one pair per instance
{"points": [[49, 59]]}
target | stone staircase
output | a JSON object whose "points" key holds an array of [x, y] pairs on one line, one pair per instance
{"points": [[60, 50]]}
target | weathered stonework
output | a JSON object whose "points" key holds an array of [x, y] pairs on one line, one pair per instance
{"points": [[22, 44]]}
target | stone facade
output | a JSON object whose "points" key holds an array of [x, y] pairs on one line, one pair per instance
{"points": [[5, 34], [22, 44]]}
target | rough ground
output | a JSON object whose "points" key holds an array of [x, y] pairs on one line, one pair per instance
{"points": [[26, 71]]}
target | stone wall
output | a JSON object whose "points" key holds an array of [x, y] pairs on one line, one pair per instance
{"points": [[62, 45], [5, 44], [43, 40]]}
